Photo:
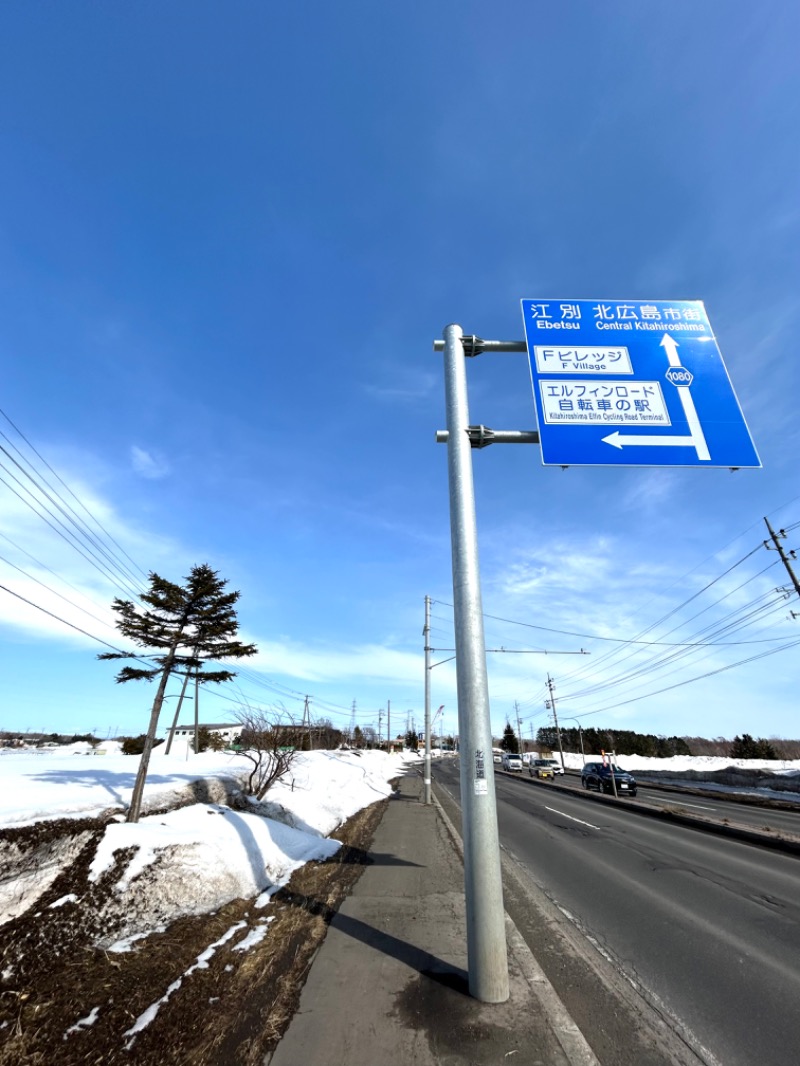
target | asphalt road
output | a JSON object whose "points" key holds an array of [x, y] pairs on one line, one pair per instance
{"points": [[708, 927], [785, 823]]}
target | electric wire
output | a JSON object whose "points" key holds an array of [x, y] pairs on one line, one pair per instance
{"points": [[74, 495], [701, 644], [73, 518], [92, 560], [72, 603]]}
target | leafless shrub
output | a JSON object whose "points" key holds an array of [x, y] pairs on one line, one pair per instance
{"points": [[270, 740]]}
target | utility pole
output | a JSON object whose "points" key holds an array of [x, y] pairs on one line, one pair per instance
{"points": [[784, 558], [552, 702], [197, 711], [389, 744], [307, 723], [168, 748], [380, 722], [426, 775], [519, 728], [486, 937]]}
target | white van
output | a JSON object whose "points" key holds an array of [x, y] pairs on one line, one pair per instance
{"points": [[512, 762]]}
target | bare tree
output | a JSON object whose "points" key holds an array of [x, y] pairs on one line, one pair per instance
{"points": [[270, 740], [326, 735]]}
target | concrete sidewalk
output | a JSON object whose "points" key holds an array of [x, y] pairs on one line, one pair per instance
{"points": [[388, 986]]}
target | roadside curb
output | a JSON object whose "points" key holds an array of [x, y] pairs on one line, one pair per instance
{"points": [[572, 1041]]}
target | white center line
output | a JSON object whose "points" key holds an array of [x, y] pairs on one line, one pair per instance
{"points": [[571, 818]]}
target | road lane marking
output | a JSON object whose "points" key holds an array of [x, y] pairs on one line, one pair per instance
{"points": [[553, 809], [683, 803]]}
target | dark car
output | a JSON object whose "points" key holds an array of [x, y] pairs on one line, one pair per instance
{"points": [[598, 775]]}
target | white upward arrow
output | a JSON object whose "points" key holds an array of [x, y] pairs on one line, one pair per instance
{"points": [[670, 346], [695, 440]]}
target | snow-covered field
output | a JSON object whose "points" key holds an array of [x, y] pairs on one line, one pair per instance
{"points": [[680, 763], [193, 859]]}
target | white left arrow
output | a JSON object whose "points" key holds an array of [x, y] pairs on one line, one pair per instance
{"points": [[620, 440], [697, 438]]}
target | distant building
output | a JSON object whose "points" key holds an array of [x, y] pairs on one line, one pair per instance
{"points": [[226, 730]]}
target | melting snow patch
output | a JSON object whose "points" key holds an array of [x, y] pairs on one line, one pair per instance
{"points": [[200, 963], [255, 936], [83, 1023], [265, 897], [71, 898], [126, 944]]}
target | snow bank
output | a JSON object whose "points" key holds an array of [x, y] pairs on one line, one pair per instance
{"points": [[193, 859]]}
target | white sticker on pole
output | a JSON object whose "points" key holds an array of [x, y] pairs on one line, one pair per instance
{"points": [[481, 784]]}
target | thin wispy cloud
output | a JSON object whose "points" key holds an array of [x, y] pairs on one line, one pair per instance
{"points": [[650, 490], [148, 465], [406, 387]]}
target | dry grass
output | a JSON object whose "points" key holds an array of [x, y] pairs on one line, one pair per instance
{"points": [[235, 1010]]}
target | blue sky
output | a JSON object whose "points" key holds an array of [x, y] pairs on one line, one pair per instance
{"points": [[229, 235]]}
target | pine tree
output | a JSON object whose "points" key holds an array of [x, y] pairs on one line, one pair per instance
{"points": [[745, 747], [509, 742], [181, 626]]}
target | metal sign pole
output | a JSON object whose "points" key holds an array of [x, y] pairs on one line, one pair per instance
{"points": [[486, 940], [427, 771]]}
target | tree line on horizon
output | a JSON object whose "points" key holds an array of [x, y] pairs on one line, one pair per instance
{"points": [[649, 745]]}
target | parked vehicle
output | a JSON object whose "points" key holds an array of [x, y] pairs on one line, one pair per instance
{"points": [[598, 775], [512, 762], [541, 768]]}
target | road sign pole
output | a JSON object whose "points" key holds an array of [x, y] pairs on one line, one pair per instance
{"points": [[486, 940], [427, 770]]}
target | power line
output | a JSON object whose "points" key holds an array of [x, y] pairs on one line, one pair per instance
{"points": [[65, 534], [72, 518], [66, 623], [77, 499], [66, 599], [688, 681]]}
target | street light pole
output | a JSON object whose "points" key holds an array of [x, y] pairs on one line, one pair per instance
{"points": [[486, 939], [552, 702], [580, 736]]}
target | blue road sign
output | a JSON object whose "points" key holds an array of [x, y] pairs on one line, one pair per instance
{"points": [[632, 384]]}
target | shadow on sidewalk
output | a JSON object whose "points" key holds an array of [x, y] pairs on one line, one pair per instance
{"points": [[422, 962], [360, 857]]}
